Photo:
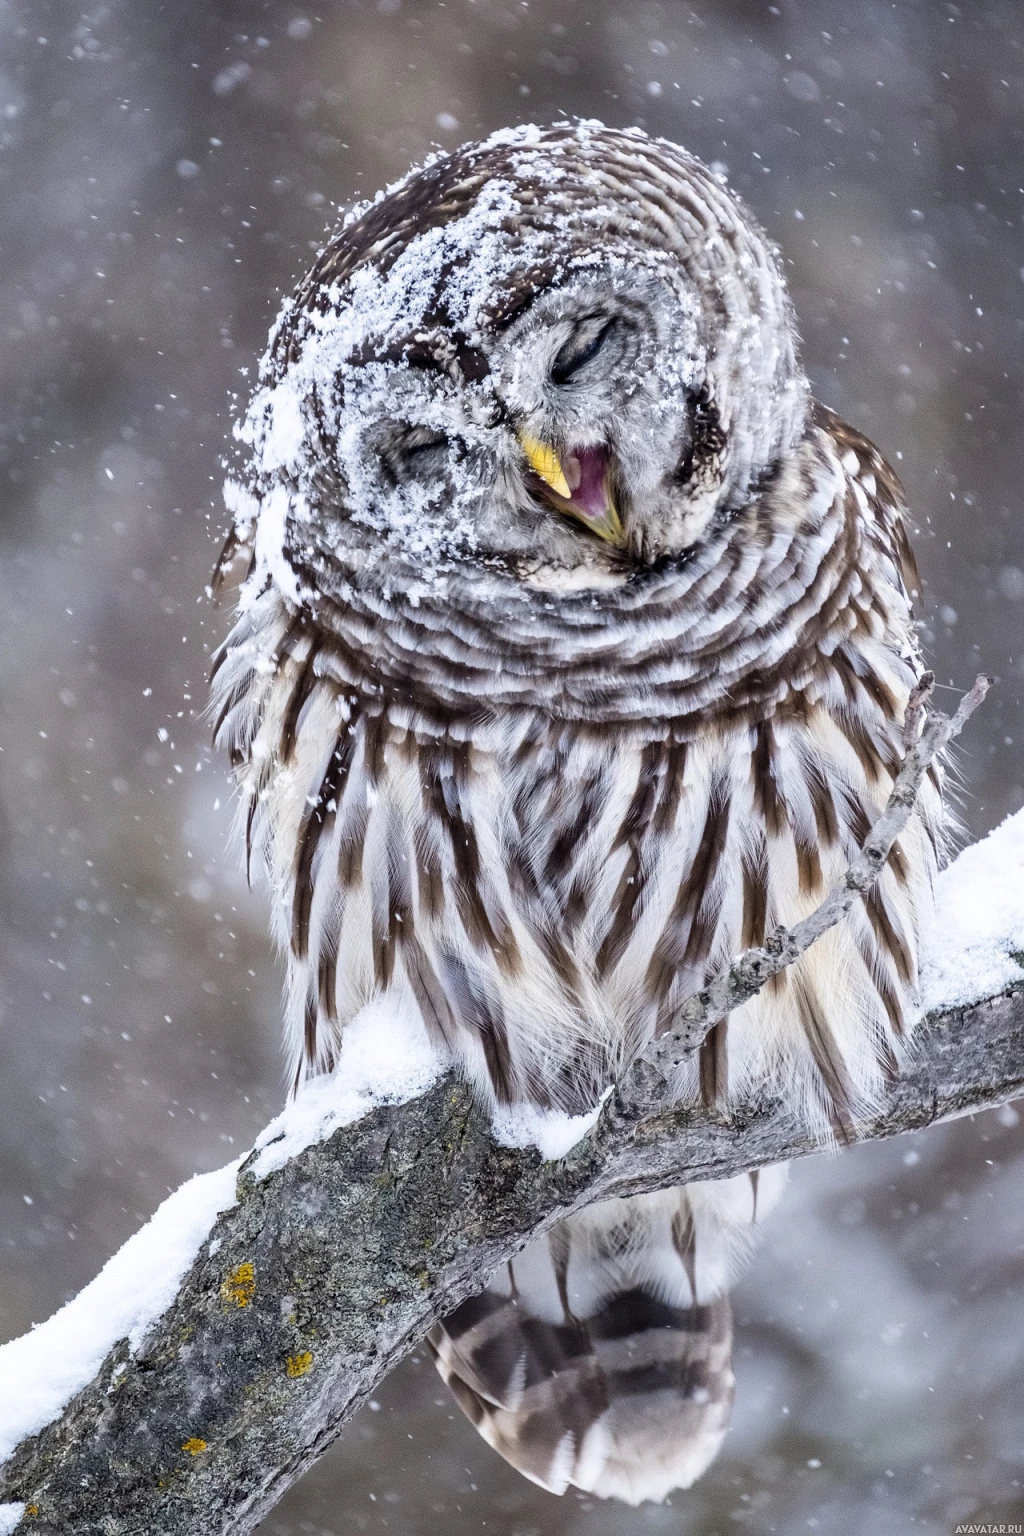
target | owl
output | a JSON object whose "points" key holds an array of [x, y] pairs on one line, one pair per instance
{"points": [[572, 659]]}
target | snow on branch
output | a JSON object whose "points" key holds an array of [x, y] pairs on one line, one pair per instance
{"points": [[217, 1355]]}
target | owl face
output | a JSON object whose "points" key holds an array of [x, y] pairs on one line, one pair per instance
{"points": [[570, 462], [506, 376]]}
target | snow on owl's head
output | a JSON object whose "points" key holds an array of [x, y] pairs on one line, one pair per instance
{"points": [[550, 360]]}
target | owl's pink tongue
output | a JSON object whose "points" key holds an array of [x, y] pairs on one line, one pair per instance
{"points": [[577, 484], [586, 470]]}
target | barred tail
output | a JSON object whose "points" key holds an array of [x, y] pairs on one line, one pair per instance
{"points": [[601, 1357]]}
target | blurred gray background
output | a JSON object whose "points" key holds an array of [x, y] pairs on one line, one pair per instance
{"points": [[166, 172]]}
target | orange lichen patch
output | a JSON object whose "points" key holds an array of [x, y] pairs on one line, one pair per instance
{"points": [[298, 1365], [31, 1509], [240, 1285], [194, 1445]]}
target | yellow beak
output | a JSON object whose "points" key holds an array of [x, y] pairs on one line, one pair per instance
{"points": [[580, 487], [544, 461]]}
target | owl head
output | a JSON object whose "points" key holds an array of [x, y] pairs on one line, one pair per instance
{"points": [[536, 368]]}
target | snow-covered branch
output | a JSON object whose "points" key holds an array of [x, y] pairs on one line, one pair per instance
{"points": [[221, 1351], [325, 1272]]}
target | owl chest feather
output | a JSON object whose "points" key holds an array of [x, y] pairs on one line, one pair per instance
{"points": [[544, 892], [545, 897]]}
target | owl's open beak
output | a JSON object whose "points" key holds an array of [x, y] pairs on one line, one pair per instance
{"points": [[578, 484]]}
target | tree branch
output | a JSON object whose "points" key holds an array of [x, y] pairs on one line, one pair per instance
{"points": [[357, 1246], [326, 1272]]}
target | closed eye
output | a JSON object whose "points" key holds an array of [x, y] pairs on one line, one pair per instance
{"points": [[581, 349], [414, 453], [423, 441]]}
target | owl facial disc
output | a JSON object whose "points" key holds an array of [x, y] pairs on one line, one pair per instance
{"points": [[577, 484], [546, 363]]}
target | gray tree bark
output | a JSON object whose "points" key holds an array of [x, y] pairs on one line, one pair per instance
{"points": [[331, 1269]]}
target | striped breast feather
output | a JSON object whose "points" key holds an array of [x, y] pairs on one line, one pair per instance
{"points": [[832, 1028], [543, 935], [543, 932]]}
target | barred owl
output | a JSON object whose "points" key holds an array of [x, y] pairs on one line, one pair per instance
{"points": [[572, 657]]}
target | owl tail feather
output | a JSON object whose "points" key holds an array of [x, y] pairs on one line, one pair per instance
{"points": [[601, 1357]]}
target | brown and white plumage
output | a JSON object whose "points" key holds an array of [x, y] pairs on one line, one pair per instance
{"points": [[572, 658]]}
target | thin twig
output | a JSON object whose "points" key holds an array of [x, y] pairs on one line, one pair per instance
{"points": [[914, 712], [925, 733]]}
